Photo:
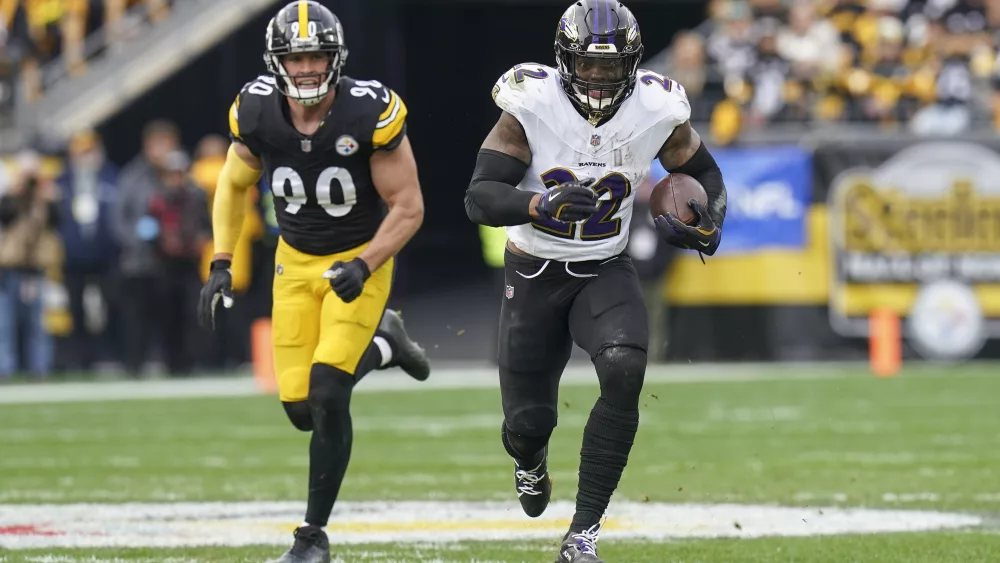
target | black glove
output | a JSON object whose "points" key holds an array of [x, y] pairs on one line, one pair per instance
{"points": [[347, 280], [703, 236], [568, 202], [219, 284]]}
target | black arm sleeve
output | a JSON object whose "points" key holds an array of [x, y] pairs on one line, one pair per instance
{"points": [[702, 167], [492, 198]]}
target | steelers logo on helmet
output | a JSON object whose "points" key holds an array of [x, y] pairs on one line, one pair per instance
{"points": [[303, 27], [598, 47]]}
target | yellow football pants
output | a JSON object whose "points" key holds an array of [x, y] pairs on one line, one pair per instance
{"points": [[310, 324]]}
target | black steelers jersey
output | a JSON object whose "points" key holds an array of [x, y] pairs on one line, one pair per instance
{"points": [[324, 198]]}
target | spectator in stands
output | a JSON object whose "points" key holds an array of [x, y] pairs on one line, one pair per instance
{"points": [[183, 229], [29, 249], [88, 187], [767, 76], [686, 64], [140, 263], [730, 47], [773, 9], [877, 85], [809, 43]]}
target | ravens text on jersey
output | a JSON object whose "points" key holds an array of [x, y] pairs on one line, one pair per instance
{"points": [[325, 199]]}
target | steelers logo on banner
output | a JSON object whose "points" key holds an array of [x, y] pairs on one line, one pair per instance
{"points": [[347, 145], [946, 321], [920, 234]]}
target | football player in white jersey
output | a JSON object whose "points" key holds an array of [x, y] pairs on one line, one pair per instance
{"points": [[559, 170]]}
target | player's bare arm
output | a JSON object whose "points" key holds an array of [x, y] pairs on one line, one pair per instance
{"points": [[493, 199], [680, 147], [508, 137], [685, 153], [394, 174]]}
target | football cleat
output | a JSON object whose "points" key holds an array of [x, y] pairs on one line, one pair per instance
{"points": [[580, 547], [534, 486], [406, 354], [311, 546]]}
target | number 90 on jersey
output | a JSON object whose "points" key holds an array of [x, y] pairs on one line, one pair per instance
{"points": [[287, 183]]}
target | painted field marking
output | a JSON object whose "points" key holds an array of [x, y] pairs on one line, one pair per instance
{"points": [[166, 525]]}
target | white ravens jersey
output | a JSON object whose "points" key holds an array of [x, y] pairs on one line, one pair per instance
{"points": [[565, 146]]}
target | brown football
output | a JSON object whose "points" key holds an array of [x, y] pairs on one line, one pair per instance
{"points": [[672, 194]]}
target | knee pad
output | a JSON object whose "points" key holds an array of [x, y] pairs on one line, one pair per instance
{"points": [[621, 371], [329, 391], [535, 421], [298, 413], [520, 446]]}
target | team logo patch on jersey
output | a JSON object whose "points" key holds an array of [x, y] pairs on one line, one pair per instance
{"points": [[509, 292], [346, 145], [280, 269], [595, 140]]}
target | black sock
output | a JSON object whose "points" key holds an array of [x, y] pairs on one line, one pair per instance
{"points": [[607, 440], [527, 451], [330, 447]]}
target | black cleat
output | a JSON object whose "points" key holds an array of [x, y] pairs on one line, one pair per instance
{"points": [[406, 354], [311, 546], [580, 547], [534, 486]]}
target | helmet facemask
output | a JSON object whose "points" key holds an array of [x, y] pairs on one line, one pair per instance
{"points": [[307, 96], [598, 83]]}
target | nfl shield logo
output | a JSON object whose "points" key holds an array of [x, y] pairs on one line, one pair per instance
{"points": [[595, 140], [509, 292]]}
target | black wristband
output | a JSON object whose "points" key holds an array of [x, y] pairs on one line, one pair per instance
{"points": [[702, 167]]}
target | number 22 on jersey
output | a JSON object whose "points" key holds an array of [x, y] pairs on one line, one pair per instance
{"points": [[602, 224]]}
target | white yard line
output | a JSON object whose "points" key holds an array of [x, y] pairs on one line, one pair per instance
{"points": [[249, 523], [449, 376]]}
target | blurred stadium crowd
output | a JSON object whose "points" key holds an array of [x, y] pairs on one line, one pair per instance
{"points": [[38, 32], [928, 66], [90, 251]]}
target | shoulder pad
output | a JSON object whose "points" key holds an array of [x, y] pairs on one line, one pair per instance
{"points": [[662, 97], [244, 113], [384, 107], [523, 88]]}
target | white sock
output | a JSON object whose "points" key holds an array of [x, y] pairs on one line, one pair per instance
{"points": [[384, 349], [320, 527]]}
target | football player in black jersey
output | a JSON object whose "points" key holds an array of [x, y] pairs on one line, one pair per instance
{"points": [[336, 154]]}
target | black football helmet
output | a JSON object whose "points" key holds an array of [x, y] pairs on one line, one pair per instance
{"points": [[598, 47], [305, 26]]}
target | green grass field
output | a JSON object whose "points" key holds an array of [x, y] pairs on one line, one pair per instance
{"points": [[928, 440]]}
